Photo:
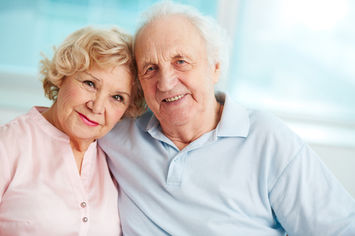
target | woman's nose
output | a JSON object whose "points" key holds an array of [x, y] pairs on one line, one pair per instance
{"points": [[97, 105]]}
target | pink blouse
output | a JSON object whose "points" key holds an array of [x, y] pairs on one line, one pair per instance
{"points": [[41, 191]]}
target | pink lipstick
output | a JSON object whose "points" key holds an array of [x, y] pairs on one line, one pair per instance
{"points": [[87, 121]]}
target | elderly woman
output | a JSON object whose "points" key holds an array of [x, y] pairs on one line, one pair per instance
{"points": [[54, 178]]}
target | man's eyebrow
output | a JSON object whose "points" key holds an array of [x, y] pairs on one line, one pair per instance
{"points": [[147, 63], [181, 55]]}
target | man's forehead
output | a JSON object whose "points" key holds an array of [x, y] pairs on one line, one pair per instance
{"points": [[167, 43], [169, 22], [167, 28], [155, 55]]}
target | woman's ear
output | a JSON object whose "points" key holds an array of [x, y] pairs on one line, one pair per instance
{"points": [[60, 82]]}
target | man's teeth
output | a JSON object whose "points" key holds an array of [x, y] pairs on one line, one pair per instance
{"points": [[173, 98]]}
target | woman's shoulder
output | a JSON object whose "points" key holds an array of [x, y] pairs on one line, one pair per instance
{"points": [[17, 127], [13, 127], [19, 134], [12, 137]]}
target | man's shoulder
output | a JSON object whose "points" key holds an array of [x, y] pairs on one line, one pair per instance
{"points": [[271, 130], [127, 128]]}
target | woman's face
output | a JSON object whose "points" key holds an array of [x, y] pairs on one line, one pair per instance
{"points": [[90, 103]]}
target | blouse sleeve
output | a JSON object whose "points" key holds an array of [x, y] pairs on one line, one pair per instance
{"points": [[4, 165]]}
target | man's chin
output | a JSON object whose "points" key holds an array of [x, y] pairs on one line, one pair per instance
{"points": [[176, 119]]}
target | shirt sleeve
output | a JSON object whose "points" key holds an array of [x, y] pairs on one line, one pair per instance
{"points": [[4, 168], [308, 200]]}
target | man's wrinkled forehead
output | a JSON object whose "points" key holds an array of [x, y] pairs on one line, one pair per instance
{"points": [[169, 33], [164, 26]]}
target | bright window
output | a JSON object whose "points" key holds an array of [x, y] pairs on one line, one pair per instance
{"points": [[297, 59], [292, 57]]}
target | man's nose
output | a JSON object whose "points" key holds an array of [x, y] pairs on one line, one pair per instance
{"points": [[167, 79]]}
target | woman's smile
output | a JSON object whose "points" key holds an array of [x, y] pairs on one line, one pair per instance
{"points": [[87, 121]]}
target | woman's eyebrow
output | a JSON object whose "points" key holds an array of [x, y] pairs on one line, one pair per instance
{"points": [[123, 92], [94, 77], [98, 79]]}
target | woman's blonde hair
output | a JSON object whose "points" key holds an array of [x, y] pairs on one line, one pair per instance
{"points": [[90, 47]]}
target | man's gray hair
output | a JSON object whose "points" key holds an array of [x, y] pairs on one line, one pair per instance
{"points": [[216, 38]]}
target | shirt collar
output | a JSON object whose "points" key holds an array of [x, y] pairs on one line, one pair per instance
{"points": [[46, 126], [235, 118], [147, 121]]}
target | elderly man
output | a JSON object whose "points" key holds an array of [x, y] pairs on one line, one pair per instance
{"points": [[200, 164]]}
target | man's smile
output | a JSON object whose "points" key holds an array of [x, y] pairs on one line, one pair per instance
{"points": [[173, 99]]}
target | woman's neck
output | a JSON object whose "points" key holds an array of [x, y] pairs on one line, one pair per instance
{"points": [[79, 147]]}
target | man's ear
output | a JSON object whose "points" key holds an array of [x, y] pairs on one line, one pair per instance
{"points": [[216, 71]]}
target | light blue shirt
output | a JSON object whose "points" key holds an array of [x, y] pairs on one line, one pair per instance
{"points": [[249, 176]]}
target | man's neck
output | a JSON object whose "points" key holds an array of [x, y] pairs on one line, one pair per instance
{"points": [[183, 135]]}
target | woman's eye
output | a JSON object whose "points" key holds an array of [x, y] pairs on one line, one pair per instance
{"points": [[118, 98], [89, 83]]}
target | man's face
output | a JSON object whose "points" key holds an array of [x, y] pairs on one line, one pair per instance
{"points": [[173, 69]]}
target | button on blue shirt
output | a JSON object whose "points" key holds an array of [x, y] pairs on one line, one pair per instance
{"points": [[249, 176]]}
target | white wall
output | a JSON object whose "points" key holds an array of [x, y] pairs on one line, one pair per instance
{"points": [[341, 161], [19, 91]]}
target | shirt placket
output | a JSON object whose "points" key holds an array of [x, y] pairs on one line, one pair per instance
{"points": [[176, 169], [84, 214], [86, 173], [81, 201]]}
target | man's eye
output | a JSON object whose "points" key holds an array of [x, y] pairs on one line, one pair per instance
{"points": [[118, 98], [180, 62], [89, 83], [150, 69]]}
